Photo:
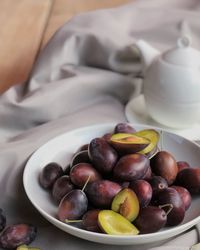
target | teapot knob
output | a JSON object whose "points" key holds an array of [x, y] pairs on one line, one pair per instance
{"points": [[183, 42]]}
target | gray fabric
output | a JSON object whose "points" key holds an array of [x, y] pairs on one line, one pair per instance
{"points": [[74, 83]]}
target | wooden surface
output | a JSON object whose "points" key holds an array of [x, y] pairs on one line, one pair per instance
{"points": [[23, 26], [27, 27]]}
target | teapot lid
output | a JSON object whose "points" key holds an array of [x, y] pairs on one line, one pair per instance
{"points": [[183, 54]]}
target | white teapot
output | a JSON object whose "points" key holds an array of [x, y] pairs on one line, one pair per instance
{"points": [[171, 84]]}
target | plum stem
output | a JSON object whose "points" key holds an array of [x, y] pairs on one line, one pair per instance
{"points": [[167, 205], [73, 221], [86, 183]]}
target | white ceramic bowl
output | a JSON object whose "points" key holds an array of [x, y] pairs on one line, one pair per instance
{"points": [[61, 148]]}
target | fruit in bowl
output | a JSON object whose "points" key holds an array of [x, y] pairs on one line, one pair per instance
{"points": [[128, 143], [106, 192], [121, 184]]}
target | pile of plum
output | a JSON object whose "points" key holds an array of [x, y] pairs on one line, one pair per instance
{"points": [[122, 184]]}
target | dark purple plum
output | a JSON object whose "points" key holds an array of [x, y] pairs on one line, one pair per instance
{"points": [[170, 197], [189, 178], [16, 235], [49, 174], [143, 191], [90, 221], [102, 155], [101, 193], [80, 173], [158, 183], [124, 128], [73, 206], [131, 167], [164, 164], [150, 219], [185, 196], [80, 157], [182, 165], [61, 187], [148, 175]]}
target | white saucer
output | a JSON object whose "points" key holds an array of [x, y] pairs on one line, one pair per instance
{"points": [[136, 113]]}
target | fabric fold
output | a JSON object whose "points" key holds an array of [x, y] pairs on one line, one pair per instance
{"points": [[101, 43]]}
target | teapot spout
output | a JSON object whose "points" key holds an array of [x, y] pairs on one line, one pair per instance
{"points": [[148, 53]]}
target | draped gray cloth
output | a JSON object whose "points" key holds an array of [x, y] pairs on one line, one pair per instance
{"points": [[75, 82]]}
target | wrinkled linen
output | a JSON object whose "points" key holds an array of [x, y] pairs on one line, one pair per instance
{"points": [[75, 82]]}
